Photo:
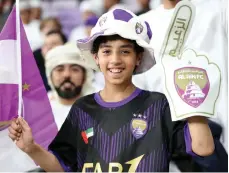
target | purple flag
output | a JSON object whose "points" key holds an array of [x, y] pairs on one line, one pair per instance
{"points": [[36, 106]]}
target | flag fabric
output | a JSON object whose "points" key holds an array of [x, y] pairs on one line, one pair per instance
{"points": [[36, 108], [87, 134]]}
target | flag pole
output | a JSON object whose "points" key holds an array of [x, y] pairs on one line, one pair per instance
{"points": [[19, 63]]}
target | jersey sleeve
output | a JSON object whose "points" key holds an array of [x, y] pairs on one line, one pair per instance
{"points": [[175, 132], [68, 144]]}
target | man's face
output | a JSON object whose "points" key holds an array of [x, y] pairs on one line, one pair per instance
{"points": [[50, 42], [25, 16], [68, 80], [35, 14], [117, 61]]}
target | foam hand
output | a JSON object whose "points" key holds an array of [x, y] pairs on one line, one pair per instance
{"points": [[192, 81]]}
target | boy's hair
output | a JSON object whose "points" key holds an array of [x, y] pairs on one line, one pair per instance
{"points": [[62, 36], [103, 39]]}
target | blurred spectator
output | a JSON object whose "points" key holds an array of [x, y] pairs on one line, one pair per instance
{"points": [[88, 10], [145, 6], [112, 4], [36, 10], [50, 24], [69, 76], [25, 12], [34, 34], [155, 3], [51, 40], [89, 24], [5, 9]]}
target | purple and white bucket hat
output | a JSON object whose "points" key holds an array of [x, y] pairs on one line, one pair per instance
{"points": [[126, 24]]}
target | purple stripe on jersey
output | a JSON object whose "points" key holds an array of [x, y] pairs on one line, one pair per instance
{"points": [[83, 119], [81, 157], [100, 101], [123, 15], [153, 114], [63, 165], [149, 32], [157, 161]]}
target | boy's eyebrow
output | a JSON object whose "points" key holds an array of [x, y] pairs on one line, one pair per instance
{"points": [[103, 45], [127, 46]]}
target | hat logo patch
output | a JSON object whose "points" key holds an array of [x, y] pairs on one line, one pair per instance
{"points": [[102, 21], [138, 28]]}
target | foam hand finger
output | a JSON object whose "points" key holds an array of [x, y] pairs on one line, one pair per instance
{"points": [[178, 30]]}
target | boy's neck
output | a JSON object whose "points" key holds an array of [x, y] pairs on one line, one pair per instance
{"points": [[117, 93]]}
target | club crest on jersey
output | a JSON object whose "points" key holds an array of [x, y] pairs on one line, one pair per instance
{"points": [[192, 85], [139, 126], [138, 28]]}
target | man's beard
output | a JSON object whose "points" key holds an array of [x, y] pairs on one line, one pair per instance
{"points": [[68, 93]]}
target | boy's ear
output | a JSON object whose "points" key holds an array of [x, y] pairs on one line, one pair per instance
{"points": [[96, 58], [139, 58]]}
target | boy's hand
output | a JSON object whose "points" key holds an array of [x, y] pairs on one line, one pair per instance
{"points": [[21, 133]]}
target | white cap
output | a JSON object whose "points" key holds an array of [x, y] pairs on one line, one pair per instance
{"points": [[91, 5], [24, 5], [35, 3], [126, 24]]}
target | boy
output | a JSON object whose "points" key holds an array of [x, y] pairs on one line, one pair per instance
{"points": [[121, 128]]}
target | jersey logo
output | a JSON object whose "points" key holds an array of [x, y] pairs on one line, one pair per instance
{"points": [[139, 126]]}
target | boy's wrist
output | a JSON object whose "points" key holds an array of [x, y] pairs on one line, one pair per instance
{"points": [[33, 148]]}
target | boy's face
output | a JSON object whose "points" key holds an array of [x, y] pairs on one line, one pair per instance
{"points": [[117, 61]]}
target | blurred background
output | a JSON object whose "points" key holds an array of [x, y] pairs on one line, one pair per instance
{"points": [[69, 16], [50, 23]]}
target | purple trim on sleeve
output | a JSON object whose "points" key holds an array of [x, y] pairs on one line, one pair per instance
{"points": [[100, 101], [188, 141], [66, 168]]}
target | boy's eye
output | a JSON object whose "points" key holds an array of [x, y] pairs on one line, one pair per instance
{"points": [[106, 51], [125, 51]]}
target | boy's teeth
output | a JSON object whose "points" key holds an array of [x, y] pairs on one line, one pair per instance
{"points": [[115, 70]]}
